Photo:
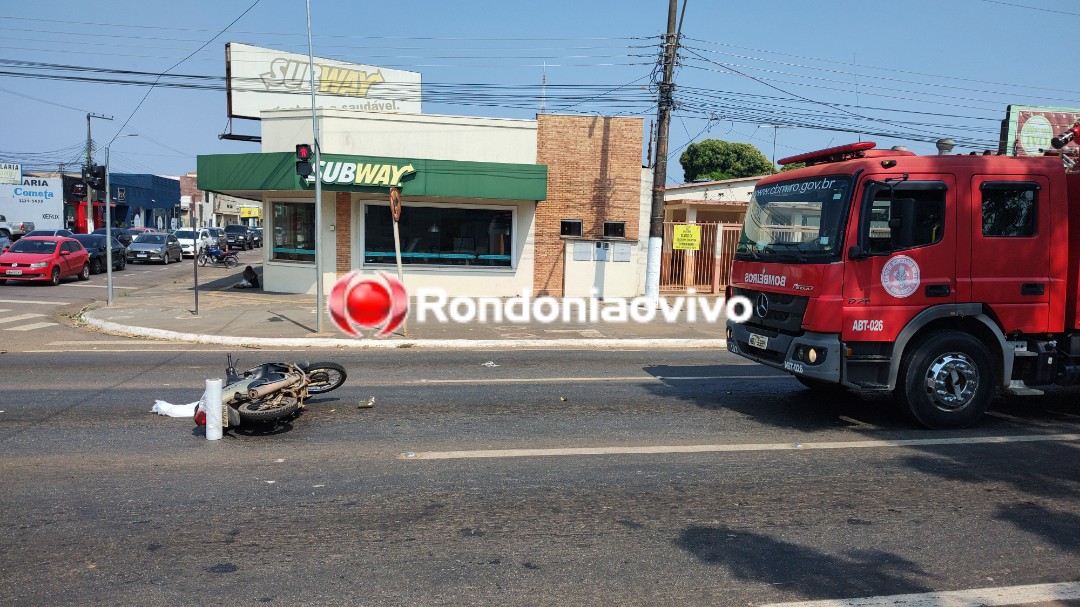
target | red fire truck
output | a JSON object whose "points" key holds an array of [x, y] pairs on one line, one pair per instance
{"points": [[938, 278]]}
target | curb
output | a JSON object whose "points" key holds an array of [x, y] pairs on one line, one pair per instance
{"points": [[383, 344]]}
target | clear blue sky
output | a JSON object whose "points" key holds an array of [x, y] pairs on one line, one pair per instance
{"points": [[902, 73]]}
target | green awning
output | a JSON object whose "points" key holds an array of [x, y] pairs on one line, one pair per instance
{"points": [[228, 173]]}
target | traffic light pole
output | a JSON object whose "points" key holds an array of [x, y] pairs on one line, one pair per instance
{"points": [[319, 308], [89, 164]]}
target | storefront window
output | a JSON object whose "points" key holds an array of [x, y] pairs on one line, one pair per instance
{"points": [[452, 236], [294, 231]]}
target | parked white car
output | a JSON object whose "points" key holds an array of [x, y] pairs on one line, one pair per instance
{"points": [[187, 239]]}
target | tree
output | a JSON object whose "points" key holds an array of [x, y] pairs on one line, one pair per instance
{"points": [[715, 159]]}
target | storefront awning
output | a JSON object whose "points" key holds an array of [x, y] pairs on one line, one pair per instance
{"points": [[246, 175]]}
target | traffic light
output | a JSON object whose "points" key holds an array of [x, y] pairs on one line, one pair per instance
{"points": [[303, 160], [94, 176]]}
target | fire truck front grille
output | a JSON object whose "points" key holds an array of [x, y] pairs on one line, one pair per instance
{"points": [[782, 311]]}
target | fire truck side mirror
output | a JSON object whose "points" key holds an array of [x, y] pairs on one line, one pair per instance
{"points": [[855, 253]]}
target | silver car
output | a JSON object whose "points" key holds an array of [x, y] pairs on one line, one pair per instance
{"points": [[155, 247]]}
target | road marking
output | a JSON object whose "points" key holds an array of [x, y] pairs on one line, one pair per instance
{"points": [[88, 342], [31, 327], [977, 597], [541, 380], [124, 351], [654, 450], [20, 317], [102, 286], [30, 301]]}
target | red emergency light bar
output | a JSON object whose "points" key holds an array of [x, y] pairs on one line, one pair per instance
{"points": [[836, 154]]}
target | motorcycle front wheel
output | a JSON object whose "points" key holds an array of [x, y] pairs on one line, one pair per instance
{"points": [[324, 377], [267, 409], [202, 259]]}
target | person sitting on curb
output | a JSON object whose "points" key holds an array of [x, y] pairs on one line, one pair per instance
{"points": [[250, 279]]}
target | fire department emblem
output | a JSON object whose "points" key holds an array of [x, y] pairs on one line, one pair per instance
{"points": [[900, 276]]}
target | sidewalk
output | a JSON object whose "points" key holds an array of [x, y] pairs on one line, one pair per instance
{"points": [[238, 317]]}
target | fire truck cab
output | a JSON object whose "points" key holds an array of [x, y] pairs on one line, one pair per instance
{"points": [[939, 278]]}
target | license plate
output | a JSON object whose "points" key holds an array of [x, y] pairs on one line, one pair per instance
{"points": [[13, 272], [142, 254], [759, 341]]}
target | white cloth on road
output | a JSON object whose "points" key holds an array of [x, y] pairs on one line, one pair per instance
{"points": [[163, 408]]}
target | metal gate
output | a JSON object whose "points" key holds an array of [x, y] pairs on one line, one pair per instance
{"points": [[706, 270]]}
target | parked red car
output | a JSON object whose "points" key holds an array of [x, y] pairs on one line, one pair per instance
{"points": [[48, 258]]}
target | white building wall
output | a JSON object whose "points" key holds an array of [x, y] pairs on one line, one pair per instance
{"points": [[404, 135], [729, 190], [612, 278]]}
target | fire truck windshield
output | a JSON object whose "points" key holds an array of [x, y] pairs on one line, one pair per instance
{"points": [[800, 221]]}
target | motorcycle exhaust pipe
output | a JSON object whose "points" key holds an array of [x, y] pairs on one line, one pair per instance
{"points": [[265, 389]]}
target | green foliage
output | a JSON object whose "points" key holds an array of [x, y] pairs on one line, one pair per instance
{"points": [[714, 159], [792, 166]]}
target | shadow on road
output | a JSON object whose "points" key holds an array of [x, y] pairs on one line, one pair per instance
{"points": [[1032, 486], [773, 398], [800, 570]]}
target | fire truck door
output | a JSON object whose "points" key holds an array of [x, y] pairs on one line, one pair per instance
{"points": [[910, 263], [1010, 249]]}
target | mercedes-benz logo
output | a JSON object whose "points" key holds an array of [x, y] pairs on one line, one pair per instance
{"points": [[762, 308]]}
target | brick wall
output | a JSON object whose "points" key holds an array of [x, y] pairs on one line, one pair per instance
{"points": [[343, 232], [594, 174], [189, 187]]}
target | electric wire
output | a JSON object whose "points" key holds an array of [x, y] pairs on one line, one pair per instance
{"points": [[143, 100]]}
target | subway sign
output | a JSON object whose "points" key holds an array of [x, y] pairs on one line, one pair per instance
{"points": [[372, 174]]}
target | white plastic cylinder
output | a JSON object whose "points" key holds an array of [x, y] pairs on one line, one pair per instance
{"points": [[213, 409]]}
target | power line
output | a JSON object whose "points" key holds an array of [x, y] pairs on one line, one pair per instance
{"points": [[141, 101], [1032, 8]]}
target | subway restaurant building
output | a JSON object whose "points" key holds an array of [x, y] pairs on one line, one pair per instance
{"points": [[471, 189]]}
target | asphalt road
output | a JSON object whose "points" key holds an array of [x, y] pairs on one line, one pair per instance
{"points": [[542, 478]]}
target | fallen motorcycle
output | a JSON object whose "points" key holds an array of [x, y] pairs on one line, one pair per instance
{"points": [[273, 391], [218, 257]]}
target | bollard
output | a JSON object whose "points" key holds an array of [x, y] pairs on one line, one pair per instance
{"points": [[214, 412]]}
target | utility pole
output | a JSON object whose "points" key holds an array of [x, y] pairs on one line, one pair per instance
{"points": [[663, 119], [89, 164], [320, 310]]}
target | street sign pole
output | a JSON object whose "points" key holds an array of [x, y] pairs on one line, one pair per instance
{"points": [[395, 212]]}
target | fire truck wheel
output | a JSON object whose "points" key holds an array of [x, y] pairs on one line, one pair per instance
{"points": [[822, 386], [946, 380]]}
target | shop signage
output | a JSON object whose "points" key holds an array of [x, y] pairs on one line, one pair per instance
{"points": [[10, 173], [362, 173], [1027, 130], [686, 237], [258, 79], [395, 204], [250, 212]]}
